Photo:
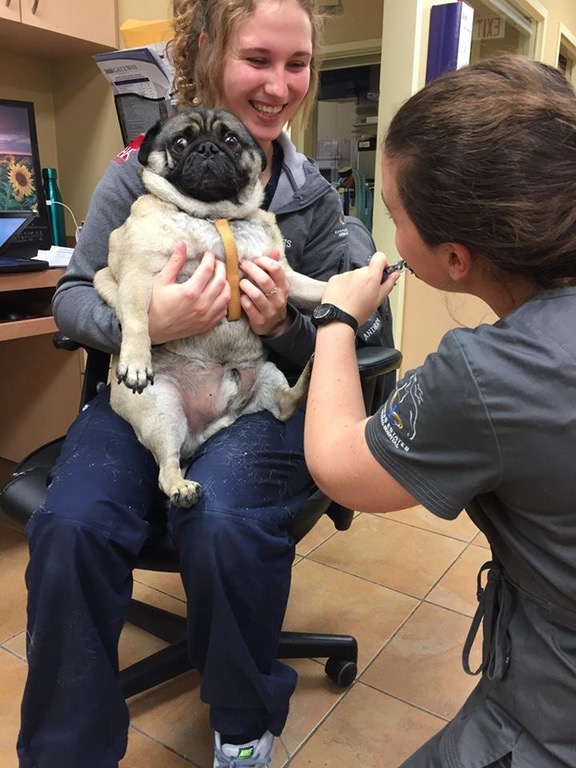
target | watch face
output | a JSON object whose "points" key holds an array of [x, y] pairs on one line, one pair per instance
{"points": [[323, 312]]}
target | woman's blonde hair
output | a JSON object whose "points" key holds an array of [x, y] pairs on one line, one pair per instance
{"points": [[199, 70]]}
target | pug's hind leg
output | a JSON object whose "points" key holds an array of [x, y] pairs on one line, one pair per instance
{"points": [[290, 399], [161, 425], [273, 392], [180, 491]]}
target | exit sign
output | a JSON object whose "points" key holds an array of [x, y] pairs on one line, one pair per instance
{"points": [[490, 28]]}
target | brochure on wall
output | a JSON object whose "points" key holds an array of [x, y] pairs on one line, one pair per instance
{"points": [[143, 71], [141, 80]]}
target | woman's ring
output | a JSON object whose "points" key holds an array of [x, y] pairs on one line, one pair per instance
{"points": [[272, 293]]}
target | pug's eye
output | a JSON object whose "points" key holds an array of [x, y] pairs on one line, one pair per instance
{"points": [[179, 144], [232, 140]]}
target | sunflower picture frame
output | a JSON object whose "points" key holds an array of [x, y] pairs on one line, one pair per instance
{"points": [[17, 183], [18, 178], [21, 188]]}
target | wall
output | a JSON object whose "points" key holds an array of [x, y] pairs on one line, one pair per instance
{"points": [[78, 129], [361, 20], [76, 126], [31, 79], [423, 314]]}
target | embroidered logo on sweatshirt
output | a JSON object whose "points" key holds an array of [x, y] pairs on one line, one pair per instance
{"points": [[122, 156]]}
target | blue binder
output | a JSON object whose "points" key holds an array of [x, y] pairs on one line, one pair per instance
{"points": [[450, 38]]}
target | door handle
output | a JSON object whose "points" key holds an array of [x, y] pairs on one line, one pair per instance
{"points": [[35, 6]]}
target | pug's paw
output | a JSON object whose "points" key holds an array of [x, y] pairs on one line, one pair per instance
{"points": [[135, 377], [185, 494]]}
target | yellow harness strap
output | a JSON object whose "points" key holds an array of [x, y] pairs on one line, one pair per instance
{"points": [[232, 274]]}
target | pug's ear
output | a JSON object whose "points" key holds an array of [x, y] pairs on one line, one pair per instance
{"points": [[148, 143]]}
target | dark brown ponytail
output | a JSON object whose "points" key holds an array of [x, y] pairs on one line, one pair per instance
{"points": [[489, 161]]}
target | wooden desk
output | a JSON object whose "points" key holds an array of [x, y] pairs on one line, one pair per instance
{"points": [[39, 385]]}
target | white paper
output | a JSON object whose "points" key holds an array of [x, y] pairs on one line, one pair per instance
{"points": [[465, 36], [143, 71], [57, 256]]}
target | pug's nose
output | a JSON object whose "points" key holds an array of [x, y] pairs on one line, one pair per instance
{"points": [[207, 149]]}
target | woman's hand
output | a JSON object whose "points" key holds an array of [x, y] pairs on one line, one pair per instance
{"points": [[360, 291], [178, 310], [264, 294]]}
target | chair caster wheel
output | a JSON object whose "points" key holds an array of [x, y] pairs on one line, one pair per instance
{"points": [[343, 673]]}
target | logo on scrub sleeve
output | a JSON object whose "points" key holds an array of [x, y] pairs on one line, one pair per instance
{"points": [[399, 418]]}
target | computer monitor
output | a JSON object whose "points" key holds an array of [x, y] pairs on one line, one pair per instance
{"points": [[21, 176]]}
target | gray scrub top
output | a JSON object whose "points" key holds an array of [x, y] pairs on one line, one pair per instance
{"points": [[488, 424]]}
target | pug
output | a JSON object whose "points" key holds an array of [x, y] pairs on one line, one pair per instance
{"points": [[199, 166]]}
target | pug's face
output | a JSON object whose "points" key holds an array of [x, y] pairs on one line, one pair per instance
{"points": [[205, 154]]}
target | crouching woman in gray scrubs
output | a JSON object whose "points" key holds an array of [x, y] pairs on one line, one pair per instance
{"points": [[479, 177]]}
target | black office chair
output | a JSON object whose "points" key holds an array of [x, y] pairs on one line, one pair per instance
{"points": [[26, 490]]}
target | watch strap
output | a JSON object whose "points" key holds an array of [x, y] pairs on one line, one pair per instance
{"points": [[336, 315]]}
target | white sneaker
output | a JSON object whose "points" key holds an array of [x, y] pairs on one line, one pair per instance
{"points": [[251, 755]]}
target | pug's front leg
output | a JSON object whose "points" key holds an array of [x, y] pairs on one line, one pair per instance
{"points": [[134, 371], [134, 368]]}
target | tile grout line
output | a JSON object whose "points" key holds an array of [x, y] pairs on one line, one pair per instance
{"points": [[159, 743]]}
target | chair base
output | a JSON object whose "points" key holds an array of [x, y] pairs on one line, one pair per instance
{"points": [[166, 664]]}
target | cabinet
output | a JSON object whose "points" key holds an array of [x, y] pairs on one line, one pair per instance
{"points": [[45, 57], [40, 385], [58, 27], [11, 10]]}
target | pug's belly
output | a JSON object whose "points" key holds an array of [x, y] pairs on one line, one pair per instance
{"points": [[206, 392]]}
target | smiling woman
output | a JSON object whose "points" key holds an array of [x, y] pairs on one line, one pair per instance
{"points": [[266, 72], [259, 59]]}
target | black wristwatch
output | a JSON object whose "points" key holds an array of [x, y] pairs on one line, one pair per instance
{"points": [[328, 313]]}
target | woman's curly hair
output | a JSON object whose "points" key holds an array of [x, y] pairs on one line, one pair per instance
{"points": [[199, 69]]}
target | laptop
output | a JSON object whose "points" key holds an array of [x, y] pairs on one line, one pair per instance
{"points": [[12, 224]]}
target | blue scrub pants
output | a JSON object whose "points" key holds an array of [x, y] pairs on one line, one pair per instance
{"points": [[236, 557]]}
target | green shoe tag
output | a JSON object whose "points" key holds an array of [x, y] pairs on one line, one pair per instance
{"points": [[245, 753]]}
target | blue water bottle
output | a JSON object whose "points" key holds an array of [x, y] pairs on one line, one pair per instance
{"points": [[55, 207]]}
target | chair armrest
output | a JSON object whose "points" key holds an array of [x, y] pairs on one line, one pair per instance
{"points": [[96, 369], [376, 366], [62, 341], [377, 361]]}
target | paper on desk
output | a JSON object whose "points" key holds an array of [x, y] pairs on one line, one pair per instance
{"points": [[57, 256], [143, 71]]}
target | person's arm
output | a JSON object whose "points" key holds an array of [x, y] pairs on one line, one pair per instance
{"points": [[79, 311], [440, 438], [336, 450], [322, 245], [316, 250]]}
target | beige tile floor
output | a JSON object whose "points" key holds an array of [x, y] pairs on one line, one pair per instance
{"points": [[404, 584]]}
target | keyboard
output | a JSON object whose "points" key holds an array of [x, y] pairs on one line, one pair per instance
{"points": [[30, 235], [11, 264]]}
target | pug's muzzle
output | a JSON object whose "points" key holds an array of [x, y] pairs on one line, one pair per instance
{"points": [[207, 155], [209, 172]]}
